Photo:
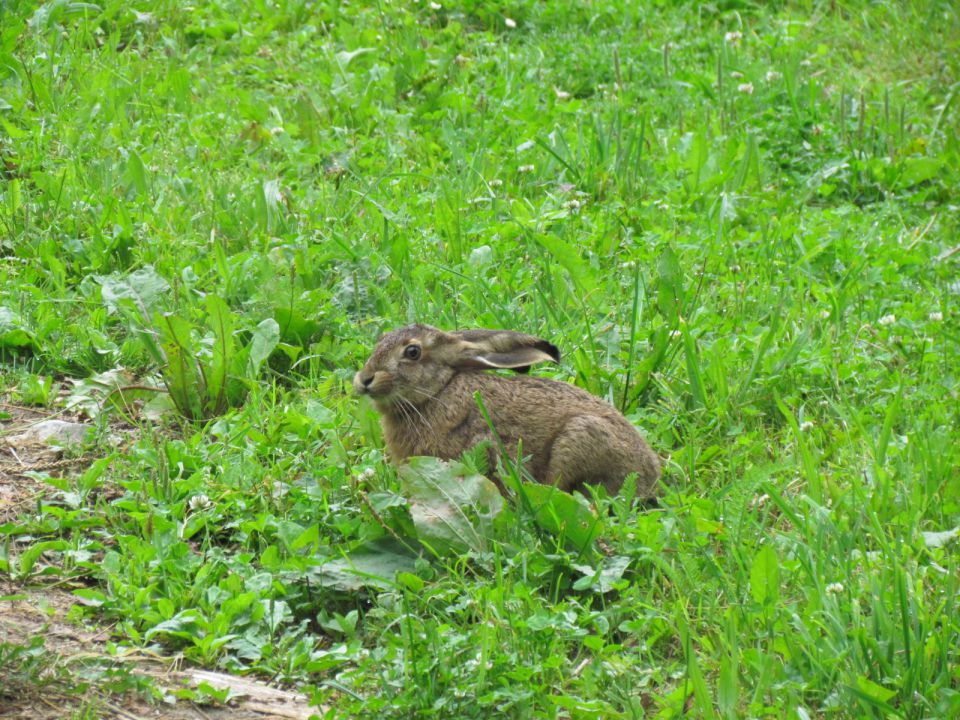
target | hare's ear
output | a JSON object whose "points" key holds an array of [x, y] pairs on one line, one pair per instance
{"points": [[503, 349]]}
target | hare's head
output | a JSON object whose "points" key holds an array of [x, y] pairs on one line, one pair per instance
{"points": [[413, 364]]}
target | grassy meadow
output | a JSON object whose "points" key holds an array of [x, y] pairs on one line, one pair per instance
{"points": [[737, 220]]}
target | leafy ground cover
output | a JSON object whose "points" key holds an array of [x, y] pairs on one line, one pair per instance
{"points": [[737, 220]]}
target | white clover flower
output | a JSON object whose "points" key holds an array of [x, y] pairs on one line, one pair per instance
{"points": [[834, 588], [674, 334], [495, 183], [736, 74], [887, 320], [435, 6], [561, 94], [525, 169], [746, 88], [818, 129], [510, 23], [733, 38], [199, 502], [824, 314], [366, 474], [735, 268], [773, 75], [936, 316], [806, 426], [572, 204]]}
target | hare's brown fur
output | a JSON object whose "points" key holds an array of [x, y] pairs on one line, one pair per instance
{"points": [[428, 407]]}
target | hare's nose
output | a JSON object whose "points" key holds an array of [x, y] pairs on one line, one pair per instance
{"points": [[362, 383]]}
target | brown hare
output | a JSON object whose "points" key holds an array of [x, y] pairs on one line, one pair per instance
{"points": [[423, 381]]}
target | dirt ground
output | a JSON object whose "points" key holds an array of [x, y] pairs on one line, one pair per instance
{"points": [[61, 687]]}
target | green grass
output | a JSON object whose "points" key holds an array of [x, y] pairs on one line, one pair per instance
{"points": [[738, 221]]}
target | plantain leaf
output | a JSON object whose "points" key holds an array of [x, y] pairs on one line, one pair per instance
{"points": [[217, 374], [453, 508], [765, 577]]}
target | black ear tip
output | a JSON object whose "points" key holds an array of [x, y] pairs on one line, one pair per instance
{"points": [[550, 349]]}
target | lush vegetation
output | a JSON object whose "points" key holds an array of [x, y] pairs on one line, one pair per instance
{"points": [[738, 222]]}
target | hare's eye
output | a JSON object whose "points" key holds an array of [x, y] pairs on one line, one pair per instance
{"points": [[412, 352]]}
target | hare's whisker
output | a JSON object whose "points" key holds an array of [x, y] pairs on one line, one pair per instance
{"points": [[429, 395], [408, 409]]}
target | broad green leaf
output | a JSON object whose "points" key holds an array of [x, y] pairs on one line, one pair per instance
{"points": [[136, 174], [374, 564], [602, 579], [309, 537], [220, 321], [345, 57], [295, 327], [561, 514], [12, 332], [569, 258], [182, 374], [669, 286], [144, 288], [874, 691], [453, 508], [288, 532], [264, 341], [697, 387], [13, 195], [919, 169], [185, 624], [765, 576], [30, 556]]}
